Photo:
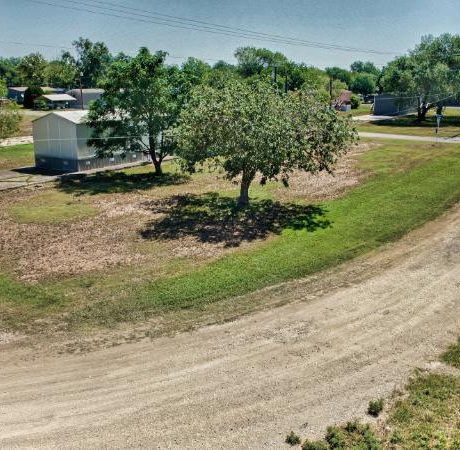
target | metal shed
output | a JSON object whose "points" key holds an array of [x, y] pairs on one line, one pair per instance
{"points": [[391, 105], [55, 101], [88, 96], [60, 144]]}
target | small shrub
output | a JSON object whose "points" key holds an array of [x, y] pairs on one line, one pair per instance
{"points": [[353, 435], [335, 437], [9, 120], [375, 407], [292, 439], [314, 445], [355, 102]]}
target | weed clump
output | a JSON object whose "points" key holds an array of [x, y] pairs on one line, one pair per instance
{"points": [[292, 439], [375, 407]]}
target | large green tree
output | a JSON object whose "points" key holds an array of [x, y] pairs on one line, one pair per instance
{"points": [[429, 74], [93, 60], [10, 72], [365, 67], [337, 73], [254, 61], [32, 69], [249, 130], [138, 106], [61, 73], [364, 83]]}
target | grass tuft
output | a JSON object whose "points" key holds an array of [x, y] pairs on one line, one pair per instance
{"points": [[452, 355], [375, 407]]}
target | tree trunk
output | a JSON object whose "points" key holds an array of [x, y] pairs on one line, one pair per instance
{"points": [[158, 169], [243, 200], [155, 160], [421, 112]]}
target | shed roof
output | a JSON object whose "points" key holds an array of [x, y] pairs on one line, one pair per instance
{"points": [[18, 88], [87, 91], [76, 117], [59, 97]]}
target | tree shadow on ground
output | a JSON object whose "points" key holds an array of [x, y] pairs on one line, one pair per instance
{"points": [[117, 182], [214, 219]]}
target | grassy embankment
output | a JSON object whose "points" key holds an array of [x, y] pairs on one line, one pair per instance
{"points": [[408, 185]]}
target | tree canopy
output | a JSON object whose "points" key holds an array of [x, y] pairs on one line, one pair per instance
{"points": [[137, 107], [364, 83], [365, 67], [32, 69], [248, 129]]}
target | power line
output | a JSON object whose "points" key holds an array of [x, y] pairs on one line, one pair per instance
{"points": [[183, 20], [213, 29]]}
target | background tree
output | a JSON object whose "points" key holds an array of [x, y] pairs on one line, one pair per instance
{"points": [[10, 120], [9, 71], [93, 60], [337, 73], [137, 107], [254, 61], [32, 69], [364, 83], [193, 72], [365, 67], [60, 73], [430, 73], [249, 130]]}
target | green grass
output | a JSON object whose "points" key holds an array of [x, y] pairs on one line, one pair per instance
{"points": [[452, 355], [410, 185], [382, 210], [362, 110], [16, 156], [51, 207], [450, 125], [429, 417]]}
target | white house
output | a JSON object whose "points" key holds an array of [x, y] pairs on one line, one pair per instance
{"points": [[60, 144]]}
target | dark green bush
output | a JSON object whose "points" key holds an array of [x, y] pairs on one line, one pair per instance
{"points": [[32, 93], [375, 407], [355, 102], [292, 439], [314, 445]]}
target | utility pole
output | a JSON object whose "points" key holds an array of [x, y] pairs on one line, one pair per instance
{"points": [[81, 90], [331, 81]]}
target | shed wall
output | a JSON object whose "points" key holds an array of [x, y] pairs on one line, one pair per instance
{"points": [[60, 145]]}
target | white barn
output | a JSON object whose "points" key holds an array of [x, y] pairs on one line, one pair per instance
{"points": [[60, 144]]}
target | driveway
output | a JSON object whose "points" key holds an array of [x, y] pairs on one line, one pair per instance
{"points": [[345, 337], [406, 137], [18, 178]]}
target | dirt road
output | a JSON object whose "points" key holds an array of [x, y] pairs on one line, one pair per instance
{"points": [[245, 384]]}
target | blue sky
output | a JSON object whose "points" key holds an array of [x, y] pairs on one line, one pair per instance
{"points": [[391, 26]]}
